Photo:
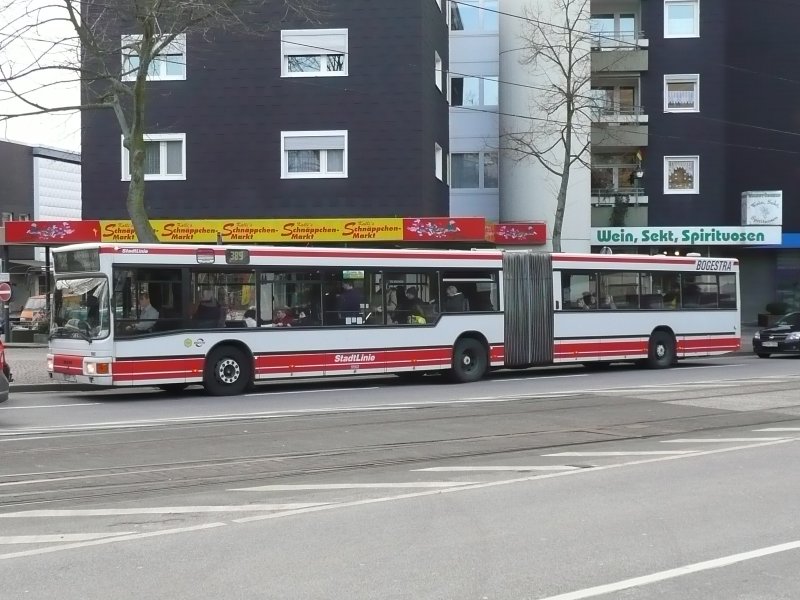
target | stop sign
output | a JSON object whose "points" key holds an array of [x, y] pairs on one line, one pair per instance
{"points": [[5, 291]]}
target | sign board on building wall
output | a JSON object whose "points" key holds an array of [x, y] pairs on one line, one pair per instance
{"points": [[245, 231], [52, 232], [527, 234], [762, 208], [685, 236]]}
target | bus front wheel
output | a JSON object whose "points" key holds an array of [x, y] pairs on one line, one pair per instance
{"points": [[469, 361], [662, 351], [228, 372]]}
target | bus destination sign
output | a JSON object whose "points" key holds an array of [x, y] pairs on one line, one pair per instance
{"points": [[237, 256]]}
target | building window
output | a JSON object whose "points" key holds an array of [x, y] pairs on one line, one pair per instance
{"points": [[314, 53], [473, 91], [313, 154], [681, 175], [438, 71], [613, 30], [615, 99], [474, 15], [473, 170], [681, 18], [169, 64], [165, 157], [681, 93], [439, 158]]}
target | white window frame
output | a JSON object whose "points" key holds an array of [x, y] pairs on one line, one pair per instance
{"points": [[316, 47], [696, 6], [438, 155], [481, 89], [481, 171], [175, 46], [685, 78], [323, 172], [696, 188], [438, 71], [163, 176], [483, 16]]}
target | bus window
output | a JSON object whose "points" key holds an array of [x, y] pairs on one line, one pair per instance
{"points": [[478, 289], [619, 289], [291, 298], [220, 299], [579, 290], [162, 285], [417, 298]]}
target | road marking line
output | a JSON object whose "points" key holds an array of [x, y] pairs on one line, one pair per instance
{"points": [[283, 514], [121, 538], [49, 406], [539, 378], [351, 486], [720, 440], [163, 510], [64, 537], [716, 563], [479, 486], [631, 453], [520, 469], [778, 429]]}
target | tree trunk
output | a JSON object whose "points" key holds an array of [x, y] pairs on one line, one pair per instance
{"points": [[561, 201]]}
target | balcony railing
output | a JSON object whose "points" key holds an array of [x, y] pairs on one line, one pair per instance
{"points": [[619, 40], [611, 196]]}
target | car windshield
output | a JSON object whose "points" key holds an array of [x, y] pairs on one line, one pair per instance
{"points": [[80, 308], [790, 320]]}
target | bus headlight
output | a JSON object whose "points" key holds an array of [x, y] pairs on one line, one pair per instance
{"points": [[49, 363], [96, 368]]}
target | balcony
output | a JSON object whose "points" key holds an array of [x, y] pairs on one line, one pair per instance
{"points": [[618, 44], [634, 196]]}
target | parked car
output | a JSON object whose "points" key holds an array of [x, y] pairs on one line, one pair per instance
{"points": [[33, 312], [5, 374], [781, 338]]}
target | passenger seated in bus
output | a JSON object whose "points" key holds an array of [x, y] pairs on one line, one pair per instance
{"points": [[283, 318], [587, 301], [148, 315], [250, 318], [455, 300], [672, 299], [209, 312], [417, 315]]}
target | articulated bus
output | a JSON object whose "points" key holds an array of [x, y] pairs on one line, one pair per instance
{"points": [[228, 316]]}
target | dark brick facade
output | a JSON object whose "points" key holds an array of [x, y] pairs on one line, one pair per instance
{"points": [[234, 104], [747, 131]]}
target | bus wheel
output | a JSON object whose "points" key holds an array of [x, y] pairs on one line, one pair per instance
{"points": [[469, 361], [173, 388], [227, 372], [662, 351]]}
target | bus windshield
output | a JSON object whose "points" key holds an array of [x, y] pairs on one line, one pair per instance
{"points": [[80, 308]]}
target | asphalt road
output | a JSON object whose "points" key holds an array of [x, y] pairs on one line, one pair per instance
{"points": [[554, 484]]}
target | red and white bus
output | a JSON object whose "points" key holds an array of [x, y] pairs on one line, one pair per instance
{"points": [[227, 316]]}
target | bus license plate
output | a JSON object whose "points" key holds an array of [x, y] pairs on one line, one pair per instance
{"points": [[770, 344]]}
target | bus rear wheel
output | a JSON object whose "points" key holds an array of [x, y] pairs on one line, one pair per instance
{"points": [[228, 372], [469, 361], [661, 353]]}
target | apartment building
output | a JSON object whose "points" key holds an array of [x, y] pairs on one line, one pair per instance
{"points": [[344, 118]]}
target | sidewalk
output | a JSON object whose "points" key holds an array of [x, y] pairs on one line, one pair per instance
{"points": [[29, 365]]}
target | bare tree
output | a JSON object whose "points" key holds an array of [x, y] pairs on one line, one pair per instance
{"points": [[109, 47], [556, 46]]}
